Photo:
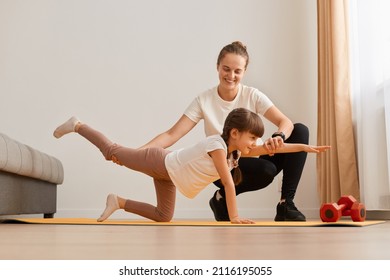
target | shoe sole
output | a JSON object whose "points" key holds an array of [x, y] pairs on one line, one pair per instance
{"points": [[279, 219]]}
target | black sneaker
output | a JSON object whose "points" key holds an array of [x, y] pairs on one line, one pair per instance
{"points": [[286, 211], [219, 208]]}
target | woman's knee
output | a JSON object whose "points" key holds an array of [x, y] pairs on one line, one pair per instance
{"points": [[269, 172], [300, 134], [261, 167], [258, 173]]}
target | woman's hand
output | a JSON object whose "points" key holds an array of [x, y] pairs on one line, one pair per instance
{"points": [[239, 220], [272, 144]]}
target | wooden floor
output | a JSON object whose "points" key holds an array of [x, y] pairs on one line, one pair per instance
{"points": [[88, 242]]}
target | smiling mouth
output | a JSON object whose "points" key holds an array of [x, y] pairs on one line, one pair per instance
{"points": [[230, 81]]}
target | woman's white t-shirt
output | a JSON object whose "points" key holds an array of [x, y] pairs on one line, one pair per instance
{"points": [[210, 107], [192, 169]]}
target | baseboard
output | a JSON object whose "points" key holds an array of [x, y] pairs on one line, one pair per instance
{"points": [[378, 214]]}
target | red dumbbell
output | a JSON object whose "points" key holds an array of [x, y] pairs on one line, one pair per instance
{"points": [[346, 206]]}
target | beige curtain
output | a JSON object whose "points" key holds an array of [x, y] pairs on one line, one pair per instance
{"points": [[336, 170]]}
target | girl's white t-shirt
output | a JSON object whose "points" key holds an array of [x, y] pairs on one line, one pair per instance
{"points": [[192, 169], [210, 107]]}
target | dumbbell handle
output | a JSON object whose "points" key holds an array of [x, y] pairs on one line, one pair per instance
{"points": [[344, 211]]}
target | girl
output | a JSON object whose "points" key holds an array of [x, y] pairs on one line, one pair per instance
{"points": [[189, 169]]}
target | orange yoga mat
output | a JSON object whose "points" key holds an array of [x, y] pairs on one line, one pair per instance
{"points": [[86, 221]]}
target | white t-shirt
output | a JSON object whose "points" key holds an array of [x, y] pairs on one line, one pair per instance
{"points": [[210, 107], [192, 169]]}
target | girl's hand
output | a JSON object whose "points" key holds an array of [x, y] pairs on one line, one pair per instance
{"points": [[316, 149], [241, 221]]}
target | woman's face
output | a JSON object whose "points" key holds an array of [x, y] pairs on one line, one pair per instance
{"points": [[231, 70]]}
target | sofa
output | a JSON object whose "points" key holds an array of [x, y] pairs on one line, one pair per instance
{"points": [[28, 179]]}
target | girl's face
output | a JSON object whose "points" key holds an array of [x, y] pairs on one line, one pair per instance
{"points": [[231, 70], [245, 142]]}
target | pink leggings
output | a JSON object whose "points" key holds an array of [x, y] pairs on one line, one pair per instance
{"points": [[149, 161]]}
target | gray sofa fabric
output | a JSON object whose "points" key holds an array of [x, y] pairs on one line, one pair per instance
{"points": [[28, 179]]}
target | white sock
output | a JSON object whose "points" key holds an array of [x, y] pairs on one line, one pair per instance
{"points": [[111, 206], [66, 127]]}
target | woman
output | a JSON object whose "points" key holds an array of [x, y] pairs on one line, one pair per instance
{"points": [[215, 104]]}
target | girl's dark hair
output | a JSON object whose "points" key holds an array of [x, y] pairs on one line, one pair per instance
{"points": [[243, 120], [237, 48]]}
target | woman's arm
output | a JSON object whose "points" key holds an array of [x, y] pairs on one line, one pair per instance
{"points": [[220, 162], [172, 135], [283, 123], [286, 148]]}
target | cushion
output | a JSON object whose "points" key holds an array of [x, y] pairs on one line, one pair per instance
{"points": [[21, 159]]}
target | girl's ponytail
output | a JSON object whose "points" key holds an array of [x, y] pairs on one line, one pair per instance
{"points": [[237, 174]]}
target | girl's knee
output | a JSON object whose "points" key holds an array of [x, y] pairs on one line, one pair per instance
{"points": [[109, 153], [115, 160], [164, 216], [164, 220]]}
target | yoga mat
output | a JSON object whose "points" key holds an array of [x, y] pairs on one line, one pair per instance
{"points": [[85, 221]]}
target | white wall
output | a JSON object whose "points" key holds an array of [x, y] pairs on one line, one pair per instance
{"points": [[130, 68]]}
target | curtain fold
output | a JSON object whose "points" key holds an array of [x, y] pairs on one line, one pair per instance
{"points": [[337, 169]]}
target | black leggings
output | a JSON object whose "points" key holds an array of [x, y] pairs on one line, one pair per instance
{"points": [[258, 173]]}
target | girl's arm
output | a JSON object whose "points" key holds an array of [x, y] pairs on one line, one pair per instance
{"points": [[220, 162], [287, 148]]}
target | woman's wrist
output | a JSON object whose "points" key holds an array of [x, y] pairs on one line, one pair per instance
{"points": [[280, 134]]}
